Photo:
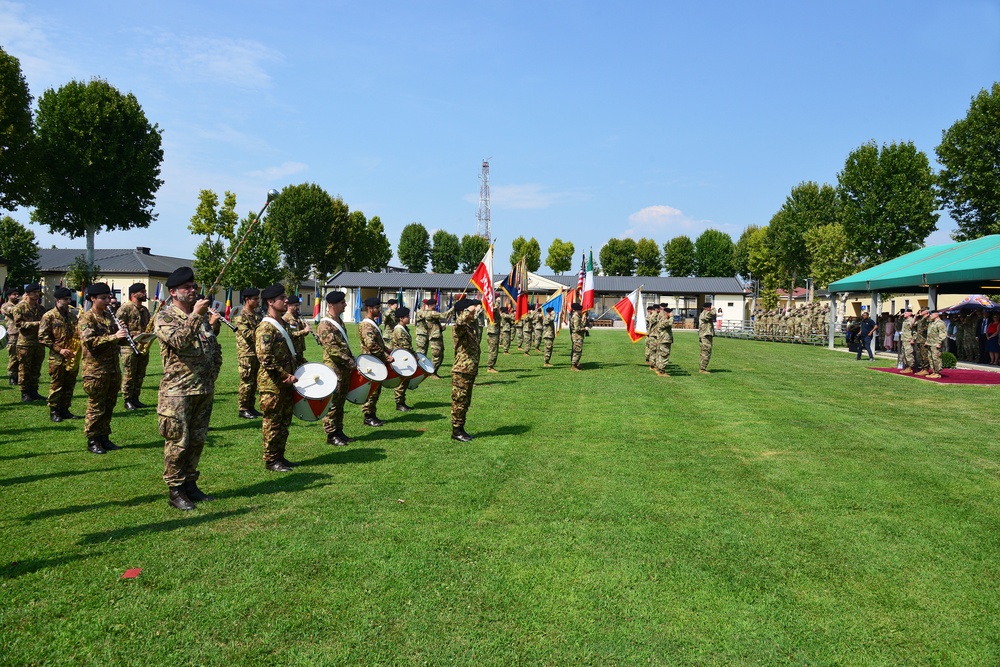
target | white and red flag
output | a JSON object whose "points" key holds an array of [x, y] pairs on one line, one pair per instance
{"points": [[632, 314], [482, 278]]}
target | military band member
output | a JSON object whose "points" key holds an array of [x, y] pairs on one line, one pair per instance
{"points": [[102, 376], [338, 356], [135, 317], [465, 335], [664, 339], [493, 337], [276, 356], [12, 298], [389, 317], [58, 332], [420, 326], [549, 334], [506, 328], [577, 330], [937, 334], [372, 343], [27, 317], [435, 334], [401, 340], [298, 328], [246, 352], [706, 333], [191, 360]]}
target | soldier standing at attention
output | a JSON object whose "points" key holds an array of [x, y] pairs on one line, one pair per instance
{"points": [[276, 355], [58, 332], [937, 334], [493, 337], [298, 329], [421, 327], [338, 356], [191, 361], [518, 328], [537, 328], [246, 352], [706, 332], [463, 374], [577, 330], [652, 313], [102, 375], [372, 343], [401, 340], [135, 317], [549, 334], [27, 317], [13, 297], [435, 335], [664, 339], [390, 317], [506, 328], [920, 341]]}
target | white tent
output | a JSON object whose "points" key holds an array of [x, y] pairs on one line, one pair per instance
{"points": [[536, 283]]}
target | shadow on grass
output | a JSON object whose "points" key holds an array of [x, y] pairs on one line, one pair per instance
{"points": [[390, 434], [240, 426], [32, 455], [430, 404], [18, 568], [72, 509], [27, 479], [159, 527], [156, 444], [521, 376], [493, 382], [278, 483], [425, 417], [344, 456], [511, 429]]}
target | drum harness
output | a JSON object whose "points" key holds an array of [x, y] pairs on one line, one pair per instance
{"points": [[288, 339]]}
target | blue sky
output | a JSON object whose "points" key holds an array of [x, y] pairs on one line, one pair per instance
{"points": [[600, 119]]}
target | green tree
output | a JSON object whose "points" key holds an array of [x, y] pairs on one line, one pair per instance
{"points": [[258, 263], [830, 254], [368, 247], [17, 157], [217, 226], [298, 219], [445, 251], [762, 264], [808, 206], [560, 256], [379, 250], [649, 262], [80, 274], [618, 257], [99, 161], [337, 241], [474, 248], [414, 248], [969, 184], [20, 248], [529, 249], [678, 256], [741, 252], [887, 201], [713, 254]]}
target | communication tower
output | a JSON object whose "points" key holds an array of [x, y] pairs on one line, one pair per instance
{"points": [[483, 214]]}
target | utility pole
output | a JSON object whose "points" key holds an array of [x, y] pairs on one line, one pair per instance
{"points": [[483, 214]]}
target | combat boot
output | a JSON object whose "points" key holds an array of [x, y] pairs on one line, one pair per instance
{"points": [[373, 421], [179, 499], [108, 445], [343, 436], [194, 493], [94, 446], [458, 433], [66, 414], [922, 372], [137, 403], [276, 466], [334, 439], [933, 376], [55, 416], [403, 407], [130, 406], [906, 371]]}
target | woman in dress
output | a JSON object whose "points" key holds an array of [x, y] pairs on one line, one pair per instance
{"points": [[992, 342]]}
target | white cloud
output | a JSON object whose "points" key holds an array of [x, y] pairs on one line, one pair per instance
{"points": [[28, 38], [527, 196], [663, 221], [222, 61], [282, 170]]}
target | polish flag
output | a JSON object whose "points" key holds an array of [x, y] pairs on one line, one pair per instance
{"points": [[632, 314]]}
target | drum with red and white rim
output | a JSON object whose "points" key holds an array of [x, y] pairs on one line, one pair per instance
{"points": [[425, 367], [313, 391], [369, 372], [4, 339], [402, 366]]}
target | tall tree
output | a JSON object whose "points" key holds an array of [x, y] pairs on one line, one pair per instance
{"points": [[17, 158], [299, 219], [741, 252], [713, 254], [337, 241], [762, 264], [807, 207], [368, 247], [99, 161], [969, 184], [887, 201], [474, 248], [20, 248], [678, 256], [444, 253], [648, 261], [560, 256], [618, 257], [829, 253], [529, 249], [217, 226], [258, 262], [414, 248], [379, 249]]}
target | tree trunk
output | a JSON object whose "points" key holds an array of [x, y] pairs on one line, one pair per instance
{"points": [[791, 291], [91, 233]]}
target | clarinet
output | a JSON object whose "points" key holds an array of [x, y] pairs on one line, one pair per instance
{"points": [[121, 327]]}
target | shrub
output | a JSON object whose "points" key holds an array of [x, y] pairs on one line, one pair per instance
{"points": [[948, 360]]}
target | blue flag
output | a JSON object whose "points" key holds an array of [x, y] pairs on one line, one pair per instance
{"points": [[556, 303]]}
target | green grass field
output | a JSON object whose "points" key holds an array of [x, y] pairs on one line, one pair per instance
{"points": [[792, 507]]}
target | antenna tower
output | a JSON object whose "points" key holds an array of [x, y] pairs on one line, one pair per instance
{"points": [[483, 214]]}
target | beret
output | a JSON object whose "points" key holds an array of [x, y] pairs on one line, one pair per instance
{"points": [[706, 305], [550, 309], [137, 287], [33, 287], [372, 301], [464, 303], [334, 297], [402, 312], [250, 292], [669, 310], [184, 274], [98, 289], [272, 292], [293, 299], [576, 306], [392, 302], [62, 292]]}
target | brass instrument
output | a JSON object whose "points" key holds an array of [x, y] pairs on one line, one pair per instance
{"points": [[144, 347], [74, 344]]}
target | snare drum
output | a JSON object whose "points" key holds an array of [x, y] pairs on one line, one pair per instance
{"points": [[368, 373], [4, 338], [314, 391], [425, 367], [403, 365]]}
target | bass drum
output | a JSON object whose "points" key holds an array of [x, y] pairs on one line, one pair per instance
{"points": [[368, 373], [403, 365], [4, 338], [314, 391], [425, 367]]}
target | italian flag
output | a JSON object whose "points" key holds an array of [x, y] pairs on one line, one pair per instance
{"points": [[588, 285], [632, 314]]}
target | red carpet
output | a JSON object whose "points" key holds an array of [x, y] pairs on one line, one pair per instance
{"points": [[953, 376]]}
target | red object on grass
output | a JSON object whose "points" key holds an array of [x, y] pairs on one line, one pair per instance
{"points": [[132, 574], [953, 376]]}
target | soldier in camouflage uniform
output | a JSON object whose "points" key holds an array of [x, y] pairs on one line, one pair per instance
{"points": [[246, 352], [493, 341], [937, 334], [58, 332], [389, 317], [7, 309], [906, 342], [506, 328], [435, 335], [706, 332], [374, 344], [664, 339], [135, 317], [519, 328], [420, 326], [652, 313], [465, 335], [548, 334], [577, 330], [191, 360], [276, 355], [27, 316], [920, 342], [537, 328], [102, 377], [338, 356], [298, 328], [401, 340]]}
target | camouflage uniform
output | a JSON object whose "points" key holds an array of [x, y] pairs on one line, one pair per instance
{"points": [[338, 356], [493, 340], [549, 334], [920, 339], [59, 332], [30, 353], [246, 358], [906, 341], [937, 333], [7, 309], [298, 331], [527, 323], [401, 340], [102, 376], [277, 398], [372, 343], [706, 332], [651, 333], [420, 326], [577, 330], [389, 322], [537, 329], [664, 339], [135, 318], [435, 335], [192, 358], [506, 331], [465, 335]]}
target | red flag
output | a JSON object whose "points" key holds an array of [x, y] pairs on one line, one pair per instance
{"points": [[482, 278], [628, 309]]}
